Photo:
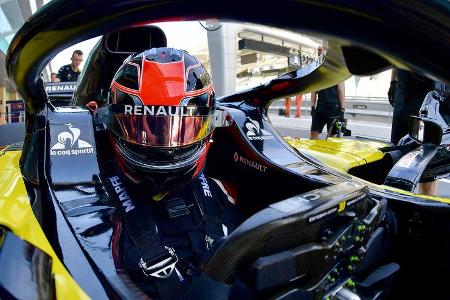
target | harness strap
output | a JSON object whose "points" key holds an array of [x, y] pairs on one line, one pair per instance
{"points": [[157, 261], [211, 214]]}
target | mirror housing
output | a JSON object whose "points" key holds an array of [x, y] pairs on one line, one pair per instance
{"points": [[432, 130], [135, 39]]}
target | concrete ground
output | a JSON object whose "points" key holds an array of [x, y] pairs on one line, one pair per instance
{"points": [[12, 133]]}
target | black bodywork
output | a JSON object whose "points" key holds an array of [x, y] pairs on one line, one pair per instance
{"points": [[69, 200], [83, 226]]}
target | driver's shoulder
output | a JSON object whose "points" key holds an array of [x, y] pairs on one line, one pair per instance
{"points": [[217, 188]]}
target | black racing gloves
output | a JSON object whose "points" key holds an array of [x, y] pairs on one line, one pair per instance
{"points": [[391, 92], [341, 115]]}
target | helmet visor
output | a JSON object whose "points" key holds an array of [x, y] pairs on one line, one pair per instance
{"points": [[160, 126]]}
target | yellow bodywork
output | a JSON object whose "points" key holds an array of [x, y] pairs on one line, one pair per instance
{"points": [[17, 215], [344, 154], [341, 154]]}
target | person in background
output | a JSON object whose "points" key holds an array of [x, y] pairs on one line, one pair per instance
{"points": [[326, 105], [287, 106], [406, 93], [53, 77], [298, 104], [71, 71]]}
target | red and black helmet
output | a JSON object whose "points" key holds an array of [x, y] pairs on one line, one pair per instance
{"points": [[161, 117]]}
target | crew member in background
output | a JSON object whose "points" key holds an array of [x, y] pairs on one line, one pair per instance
{"points": [[71, 71], [326, 105], [53, 77], [406, 94], [287, 106], [298, 105]]}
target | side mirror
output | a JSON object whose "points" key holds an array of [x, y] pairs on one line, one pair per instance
{"points": [[135, 39], [425, 130]]}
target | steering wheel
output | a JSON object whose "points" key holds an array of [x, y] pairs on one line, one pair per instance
{"points": [[297, 240]]}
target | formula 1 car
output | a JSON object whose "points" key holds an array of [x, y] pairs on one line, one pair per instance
{"points": [[311, 231]]}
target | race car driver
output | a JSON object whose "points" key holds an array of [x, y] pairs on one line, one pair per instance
{"points": [[160, 121]]}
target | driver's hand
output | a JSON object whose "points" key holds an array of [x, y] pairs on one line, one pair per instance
{"points": [[391, 92]]}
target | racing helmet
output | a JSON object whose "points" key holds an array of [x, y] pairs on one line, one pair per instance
{"points": [[161, 117]]}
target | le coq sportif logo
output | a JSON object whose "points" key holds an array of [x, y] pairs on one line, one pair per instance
{"points": [[255, 132], [69, 143]]}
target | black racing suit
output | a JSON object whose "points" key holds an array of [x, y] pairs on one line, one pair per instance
{"points": [[66, 74], [409, 95], [327, 108], [189, 220]]}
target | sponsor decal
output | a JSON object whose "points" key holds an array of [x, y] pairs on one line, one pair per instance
{"points": [[60, 88], [302, 204], [205, 185], [255, 132], [121, 193], [322, 215], [69, 143], [252, 164], [326, 191], [407, 160], [341, 206], [297, 204], [353, 201]]}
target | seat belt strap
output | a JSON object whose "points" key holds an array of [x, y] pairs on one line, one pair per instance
{"points": [[156, 261], [211, 215]]}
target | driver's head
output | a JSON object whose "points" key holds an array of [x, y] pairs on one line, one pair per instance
{"points": [[161, 117]]}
